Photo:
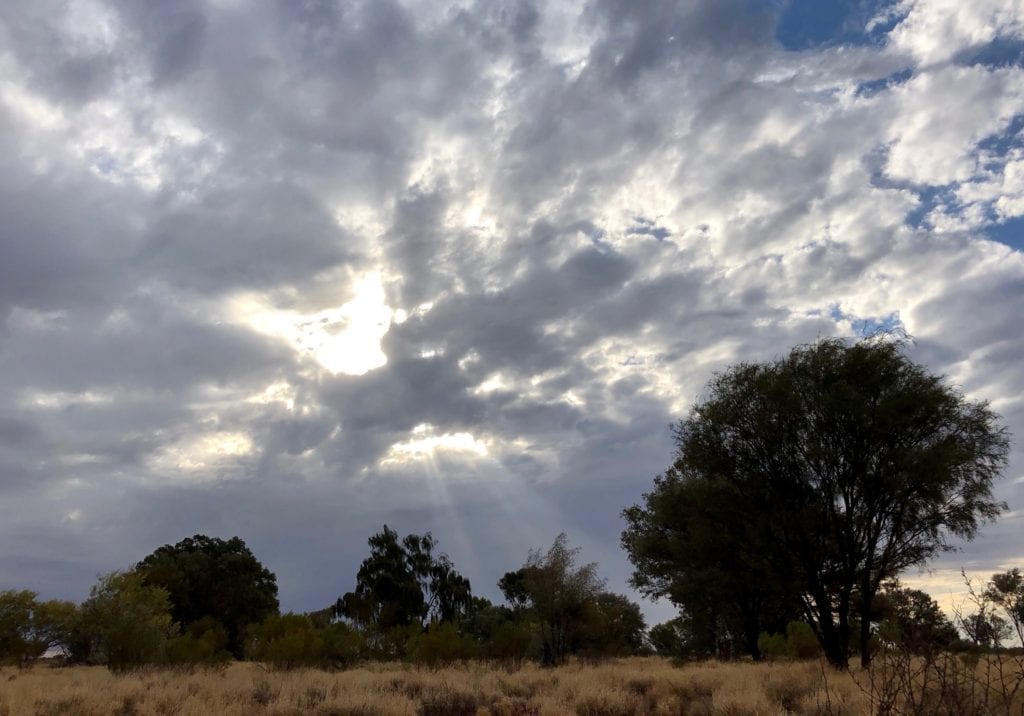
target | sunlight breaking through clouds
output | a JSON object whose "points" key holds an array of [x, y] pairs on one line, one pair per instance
{"points": [[345, 339], [426, 443]]}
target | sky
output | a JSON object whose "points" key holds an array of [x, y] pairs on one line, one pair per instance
{"points": [[294, 270]]}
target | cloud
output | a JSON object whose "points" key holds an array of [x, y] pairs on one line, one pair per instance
{"points": [[294, 270]]}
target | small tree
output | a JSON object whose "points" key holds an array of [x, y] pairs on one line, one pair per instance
{"points": [[126, 622], [405, 583], [285, 641], [616, 627], [17, 645], [1006, 590], [912, 620], [560, 595]]}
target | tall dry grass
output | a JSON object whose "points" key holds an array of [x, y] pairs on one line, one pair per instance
{"points": [[615, 688], [624, 687]]}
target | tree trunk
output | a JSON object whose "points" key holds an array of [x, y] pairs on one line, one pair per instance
{"points": [[836, 650], [866, 597]]}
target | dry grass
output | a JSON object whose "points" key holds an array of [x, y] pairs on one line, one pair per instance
{"points": [[616, 688], [625, 687]]}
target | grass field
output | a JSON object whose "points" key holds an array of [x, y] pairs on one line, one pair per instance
{"points": [[624, 687], [620, 687]]}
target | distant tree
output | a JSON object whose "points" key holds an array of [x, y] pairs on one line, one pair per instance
{"points": [[616, 627], [126, 623], [439, 645], [985, 629], [671, 638], [29, 628], [500, 632], [405, 583], [285, 641], [1006, 590], [850, 464], [16, 609], [913, 620], [560, 596], [210, 578], [514, 586]]}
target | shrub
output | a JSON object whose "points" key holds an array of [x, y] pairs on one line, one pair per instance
{"points": [[285, 641], [441, 644]]}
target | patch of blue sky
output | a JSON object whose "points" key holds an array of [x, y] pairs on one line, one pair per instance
{"points": [[866, 89], [929, 199], [998, 145], [868, 325], [1002, 52], [647, 227], [809, 24], [1009, 232]]}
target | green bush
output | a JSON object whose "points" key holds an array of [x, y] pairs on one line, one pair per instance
{"points": [[803, 644], [205, 643], [440, 644], [512, 642], [799, 642], [341, 645], [773, 646], [125, 624], [285, 641]]}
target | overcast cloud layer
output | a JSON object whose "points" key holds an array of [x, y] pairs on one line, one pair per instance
{"points": [[293, 270]]}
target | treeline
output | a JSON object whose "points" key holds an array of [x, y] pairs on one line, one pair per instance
{"points": [[207, 601]]}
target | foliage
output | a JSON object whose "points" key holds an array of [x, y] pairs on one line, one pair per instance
{"points": [[501, 633], [206, 577], [204, 642], [126, 623], [559, 595], [690, 544], [439, 645], [799, 642], [405, 583], [1006, 591], [285, 641], [848, 463], [615, 627], [912, 620], [28, 628], [670, 638], [341, 645]]}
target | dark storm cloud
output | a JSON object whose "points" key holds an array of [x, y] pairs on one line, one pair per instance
{"points": [[581, 211]]}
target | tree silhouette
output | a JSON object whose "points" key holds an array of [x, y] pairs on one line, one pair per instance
{"points": [[849, 463], [207, 577], [405, 583]]}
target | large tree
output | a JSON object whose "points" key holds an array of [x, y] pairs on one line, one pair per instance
{"points": [[405, 583], [849, 463], [206, 577]]}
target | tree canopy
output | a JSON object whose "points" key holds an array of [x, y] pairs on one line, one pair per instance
{"points": [[405, 583], [845, 463], [206, 577]]}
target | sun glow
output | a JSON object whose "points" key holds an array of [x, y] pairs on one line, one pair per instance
{"points": [[345, 339], [426, 443], [213, 451]]}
